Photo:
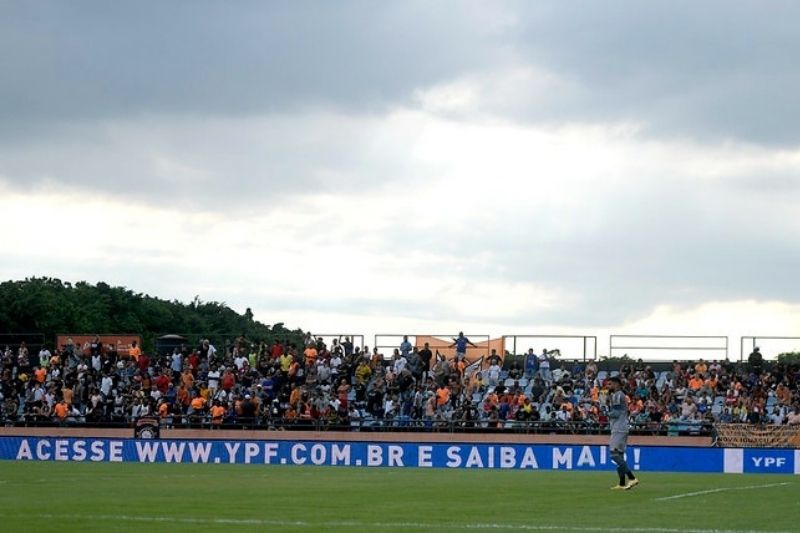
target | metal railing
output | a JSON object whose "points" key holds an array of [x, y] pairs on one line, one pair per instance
{"points": [[588, 343], [389, 341], [755, 342], [662, 343], [386, 425], [328, 338]]}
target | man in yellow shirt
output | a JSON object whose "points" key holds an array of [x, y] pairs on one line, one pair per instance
{"points": [[286, 361]]}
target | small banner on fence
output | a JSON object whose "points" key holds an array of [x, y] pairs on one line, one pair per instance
{"points": [[147, 427], [757, 436]]}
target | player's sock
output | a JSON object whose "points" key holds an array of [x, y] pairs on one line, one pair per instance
{"points": [[621, 473]]}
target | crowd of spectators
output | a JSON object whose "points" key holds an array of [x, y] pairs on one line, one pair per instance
{"points": [[340, 385]]}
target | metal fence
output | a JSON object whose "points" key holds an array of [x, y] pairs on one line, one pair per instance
{"points": [[570, 346], [34, 341], [770, 347], [387, 342], [668, 347], [387, 425], [328, 338]]}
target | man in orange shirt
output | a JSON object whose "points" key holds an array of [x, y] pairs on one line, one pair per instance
{"points": [[217, 414], [163, 409], [187, 378], [183, 397], [135, 351], [701, 367], [61, 410], [198, 405], [311, 355], [442, 396], [68, 394], [696, 383]]}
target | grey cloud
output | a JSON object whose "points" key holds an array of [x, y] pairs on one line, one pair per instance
{"points": [[675, 241], [699, 70], [715, 69], [87, 60], [208, 164]]}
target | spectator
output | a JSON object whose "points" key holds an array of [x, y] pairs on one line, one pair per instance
{"points": [[460, 344], [756, 360], [405, 347]]}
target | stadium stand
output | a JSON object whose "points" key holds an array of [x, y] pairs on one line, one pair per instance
{"points": [[342, 386]]}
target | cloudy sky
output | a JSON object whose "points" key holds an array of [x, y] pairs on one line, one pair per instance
{"points": [[420, 167]]}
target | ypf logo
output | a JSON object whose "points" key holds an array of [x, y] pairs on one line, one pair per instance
{"points": [[766, 461], [769, 462]]}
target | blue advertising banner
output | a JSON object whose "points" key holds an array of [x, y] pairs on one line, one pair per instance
{"points": [[346, 453]]}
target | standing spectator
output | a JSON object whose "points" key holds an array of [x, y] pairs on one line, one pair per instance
{"points": [[461, 345], [144, 362], [530, 363], [228, 380], [399, 362], [756, 360], [425, 356], [493, 374], [134, 351], [347, 345], [405, 347], [176, 364], [310, 354], [544, 366], [210, 350], [44, 357], [213, 379]]}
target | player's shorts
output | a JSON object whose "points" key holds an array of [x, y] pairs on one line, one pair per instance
{"points": [[619, 441]]}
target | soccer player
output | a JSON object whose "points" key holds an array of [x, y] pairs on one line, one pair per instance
{"points": [[618, 415]]}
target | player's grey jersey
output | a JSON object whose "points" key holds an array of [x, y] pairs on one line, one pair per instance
{"points": [[619, 413]]}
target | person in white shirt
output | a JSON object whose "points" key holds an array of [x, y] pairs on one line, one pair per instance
{"points": [[493, 374], [105, 385], [336, 362], [213, 380], [324, 371], [776, 417], [399, 362], [44, 357], [212, 352]]}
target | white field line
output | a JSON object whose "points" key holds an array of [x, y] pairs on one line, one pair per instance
{"points": [[348, 524], [725, 489]]}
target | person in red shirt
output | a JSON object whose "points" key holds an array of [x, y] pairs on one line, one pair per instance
{"points": [[144, 362], [228, 380], [276, 350], [162, 382], [193, 361]]}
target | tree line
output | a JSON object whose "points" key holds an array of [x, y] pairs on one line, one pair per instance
{"points": [[49, 306]]}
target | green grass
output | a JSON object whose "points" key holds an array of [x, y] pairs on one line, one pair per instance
{"points": [[50, 496]]}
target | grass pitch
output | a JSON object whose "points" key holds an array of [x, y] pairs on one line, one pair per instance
{"points": [[50, 496]]}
